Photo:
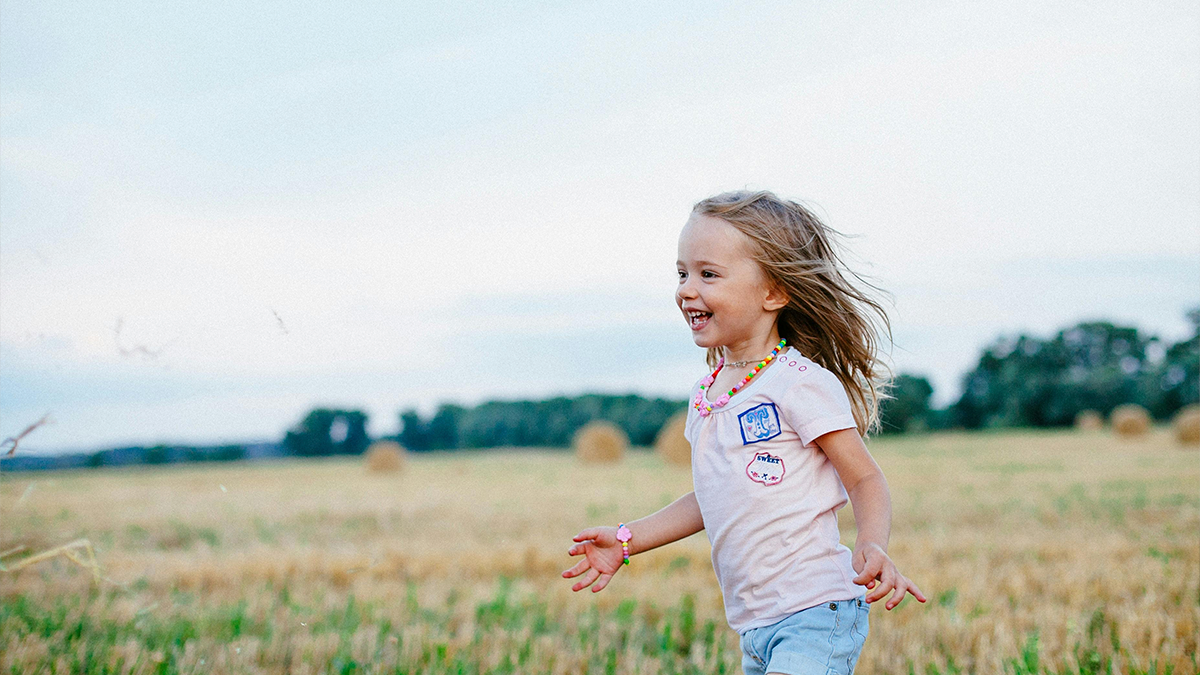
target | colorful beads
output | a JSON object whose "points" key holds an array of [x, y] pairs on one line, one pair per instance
{"points": [[705, 410], [623, 536]]}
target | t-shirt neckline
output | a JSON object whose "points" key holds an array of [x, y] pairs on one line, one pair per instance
{"points": [[764, 376]]}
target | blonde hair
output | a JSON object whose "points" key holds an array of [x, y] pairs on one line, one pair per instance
{"points": [[827, 318]]}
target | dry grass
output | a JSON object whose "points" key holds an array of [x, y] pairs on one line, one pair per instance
{"points": [[384, 457], [307, 566], [1187, 426], [671, 444], [1130, 421], [600, 442]]}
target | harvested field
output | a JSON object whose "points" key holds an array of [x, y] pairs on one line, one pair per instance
{"points": [[1065, 551]]}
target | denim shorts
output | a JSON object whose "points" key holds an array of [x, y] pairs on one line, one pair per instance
{"points": [[815, 641]]}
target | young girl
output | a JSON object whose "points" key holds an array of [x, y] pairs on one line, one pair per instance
{"points": [[776, 445]]}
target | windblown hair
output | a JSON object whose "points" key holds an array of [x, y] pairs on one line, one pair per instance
{"points": [[827, 318]]}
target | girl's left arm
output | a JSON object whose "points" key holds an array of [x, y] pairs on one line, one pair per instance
{"points": [[872, 505]]}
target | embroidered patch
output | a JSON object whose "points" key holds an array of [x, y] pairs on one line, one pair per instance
{"points": [[765, 468], [760, 423]]}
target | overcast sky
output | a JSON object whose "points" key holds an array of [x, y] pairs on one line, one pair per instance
{"points": [[214, 218]]}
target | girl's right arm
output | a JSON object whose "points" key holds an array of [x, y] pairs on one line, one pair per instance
{"points": [[602, 552]]}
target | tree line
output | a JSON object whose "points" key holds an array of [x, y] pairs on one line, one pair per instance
{"points": [[1022, 381]]}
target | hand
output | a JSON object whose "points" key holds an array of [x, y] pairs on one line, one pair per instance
{"points": [[602, 559], [877, 571]]}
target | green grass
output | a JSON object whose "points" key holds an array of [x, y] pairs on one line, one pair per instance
{"points": [[79, 632]]}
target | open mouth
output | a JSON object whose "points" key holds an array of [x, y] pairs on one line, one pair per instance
{"points": [[698, 319]]}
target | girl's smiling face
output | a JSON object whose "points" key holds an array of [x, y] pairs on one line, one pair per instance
{"points": [[723, 294]]}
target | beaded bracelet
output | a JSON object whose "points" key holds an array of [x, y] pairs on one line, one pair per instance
{"points": [[623, 536]]}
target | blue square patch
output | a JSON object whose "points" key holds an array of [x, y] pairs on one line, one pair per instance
{"points": [[760, 423]]}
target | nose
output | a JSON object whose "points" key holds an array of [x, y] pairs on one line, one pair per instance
{"points": [[685, 290]]}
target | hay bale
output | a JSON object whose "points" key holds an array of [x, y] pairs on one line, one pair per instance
{"points": [[670, 443], [1089, 420], [1187, 425], [384, 457], [1130, 420], [600, 442]]}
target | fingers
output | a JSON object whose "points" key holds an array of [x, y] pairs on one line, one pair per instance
{"points": [[887, 582], [903, 587], [601, 583], [912, 588], [897, 594], [592, 575], [579, 568]]}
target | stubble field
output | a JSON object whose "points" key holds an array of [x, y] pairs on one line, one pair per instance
{"points": [[1040, 552]]}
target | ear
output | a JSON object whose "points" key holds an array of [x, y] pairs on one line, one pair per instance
{"points": [[776, 299]]}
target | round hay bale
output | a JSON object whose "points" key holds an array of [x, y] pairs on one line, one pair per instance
{"points": [[670, 443], [1187, 425], [384, 457], [1130, 420], [600, 442], [1089, 420]]}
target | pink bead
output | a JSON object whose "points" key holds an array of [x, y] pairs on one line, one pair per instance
{"points": [[723, 400]]}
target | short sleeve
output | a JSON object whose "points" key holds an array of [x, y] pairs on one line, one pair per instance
{"points": [[817, 404]]}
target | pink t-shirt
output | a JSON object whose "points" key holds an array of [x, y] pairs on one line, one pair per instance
{"points": [[770, 496]]}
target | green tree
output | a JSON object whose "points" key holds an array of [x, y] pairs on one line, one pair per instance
{"points": [[908, 409], [548, 423], [443, 428], [158, 454], [228, 453], [414, 433], [1029, 381], [325, 431], [1175, 381]]}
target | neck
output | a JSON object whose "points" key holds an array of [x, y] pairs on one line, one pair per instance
{"points": [[755, 349]]}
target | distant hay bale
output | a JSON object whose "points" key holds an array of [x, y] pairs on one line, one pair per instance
{"points": [[1089, 420], [384, 457], [670, 443], [600, 442], [1130, 420], [1187, 425]]}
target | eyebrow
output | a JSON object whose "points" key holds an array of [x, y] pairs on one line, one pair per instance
{"points": [[703, 263]]}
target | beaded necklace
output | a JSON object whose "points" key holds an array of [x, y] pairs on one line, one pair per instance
{"points": [[699, 403]]}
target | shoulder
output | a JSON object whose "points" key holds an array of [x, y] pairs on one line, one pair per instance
{"points": [[799, 371], [806, 384], [813, 400]]}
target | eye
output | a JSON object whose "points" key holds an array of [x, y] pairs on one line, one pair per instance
{"points": [[708, 274], [682, 275]]}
